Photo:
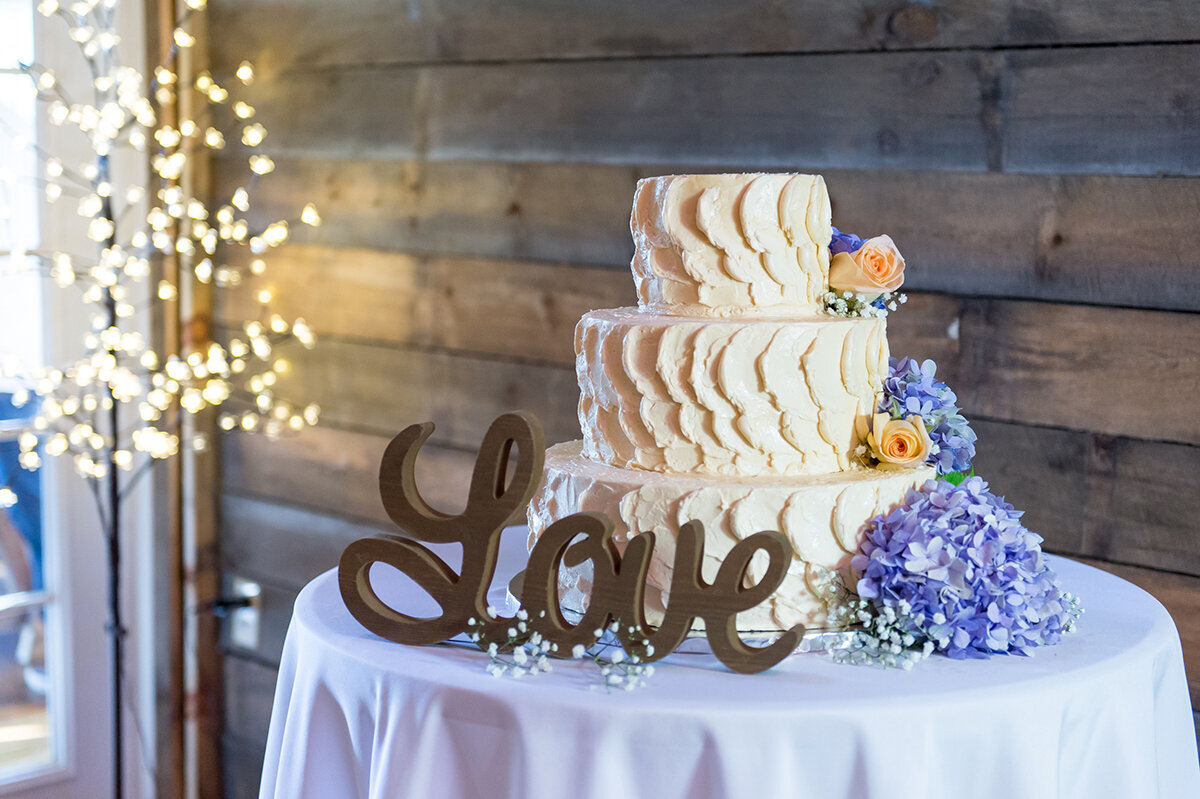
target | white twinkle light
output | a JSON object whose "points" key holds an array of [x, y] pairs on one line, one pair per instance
{"points": [[261, 165], [153, 243]]}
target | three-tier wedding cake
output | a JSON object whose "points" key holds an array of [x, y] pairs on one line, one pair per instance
{"points": [[731, 394]]}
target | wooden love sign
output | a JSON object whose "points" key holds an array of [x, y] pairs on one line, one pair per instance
{"points": [[619, 582]]}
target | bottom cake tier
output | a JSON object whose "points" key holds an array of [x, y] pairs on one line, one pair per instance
{"points": [[821, 515]]}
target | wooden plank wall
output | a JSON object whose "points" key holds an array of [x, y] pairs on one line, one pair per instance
{"points": [[474, 163]]}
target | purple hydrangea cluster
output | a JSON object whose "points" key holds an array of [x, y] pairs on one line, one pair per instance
{"points": [[844, 242], [912, 389], [963, 572]]}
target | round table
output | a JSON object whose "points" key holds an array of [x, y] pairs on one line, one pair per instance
{"points": [[1104, 714]]}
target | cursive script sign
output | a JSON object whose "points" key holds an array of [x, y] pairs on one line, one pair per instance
{"points": [[619, 581]]}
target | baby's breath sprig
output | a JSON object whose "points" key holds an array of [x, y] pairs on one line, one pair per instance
{"points": [[890, 638], [621, 670], [519, 653], [854, 306]]}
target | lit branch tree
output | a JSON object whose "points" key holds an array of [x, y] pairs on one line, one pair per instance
{"points": [[124, 403]]}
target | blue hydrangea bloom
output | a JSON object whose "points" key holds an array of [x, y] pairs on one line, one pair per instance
{"points": [[912, 389], [972, 575], [844, 242]]}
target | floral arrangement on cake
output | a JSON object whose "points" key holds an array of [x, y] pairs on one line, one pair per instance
{"points": [[952, 570], [864, 276]]}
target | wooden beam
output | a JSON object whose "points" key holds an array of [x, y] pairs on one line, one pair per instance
{"points": [[1116, 371], [1129, 241], [531, 308], [383, 389], [910, 111], [318, 33], [1109, 110], [171, 751], [336, 471], [288, 545], [1118, 110]]}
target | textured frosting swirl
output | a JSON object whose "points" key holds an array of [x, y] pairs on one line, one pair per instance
{"points": [[821, 515], [761, 396], [731, 244]]}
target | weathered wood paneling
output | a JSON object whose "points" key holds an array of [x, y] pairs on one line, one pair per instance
{"points": [[1110, 370], [337, 471], [531, 308], [1125, 111], [320, 33], [772, 112], [283, 544], [250, 687], [243, 767], [1126, 241], [381, 388], [1128, 110]]}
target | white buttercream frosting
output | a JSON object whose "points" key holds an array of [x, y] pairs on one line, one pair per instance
{"points": [[730, 245], [821, 515], [764, 396]]}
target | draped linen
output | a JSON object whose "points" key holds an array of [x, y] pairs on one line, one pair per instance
{"points": [[1104, 714]]}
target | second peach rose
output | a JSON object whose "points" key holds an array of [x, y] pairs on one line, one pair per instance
{"points": [[904, 442]]}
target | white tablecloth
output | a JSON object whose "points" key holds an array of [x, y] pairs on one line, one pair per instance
{"points": [[1104, 714]]}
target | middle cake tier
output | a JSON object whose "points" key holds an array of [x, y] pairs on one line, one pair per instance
{"points": [[758, 396]]}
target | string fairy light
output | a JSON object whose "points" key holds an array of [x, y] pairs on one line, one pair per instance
{"points": [[131, 226], [123, 403]]}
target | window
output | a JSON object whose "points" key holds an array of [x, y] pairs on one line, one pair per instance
{"points": [[25, 734]]}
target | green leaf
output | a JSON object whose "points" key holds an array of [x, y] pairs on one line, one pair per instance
{"points": [[956, 478]]}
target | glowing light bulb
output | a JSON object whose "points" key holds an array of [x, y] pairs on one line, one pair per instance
{"points": [[253, 135], [261, 165]]}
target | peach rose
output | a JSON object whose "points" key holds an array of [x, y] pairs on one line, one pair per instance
{"points": [[904, 442], [875, 267]]}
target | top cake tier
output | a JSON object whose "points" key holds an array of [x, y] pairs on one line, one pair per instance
{"points": [[731, 245]]}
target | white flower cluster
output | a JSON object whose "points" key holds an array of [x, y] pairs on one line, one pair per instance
{"points": [[1075, 609], [879, 639], [621, 670], [883, 639], [521, 653], [853, 305]]}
